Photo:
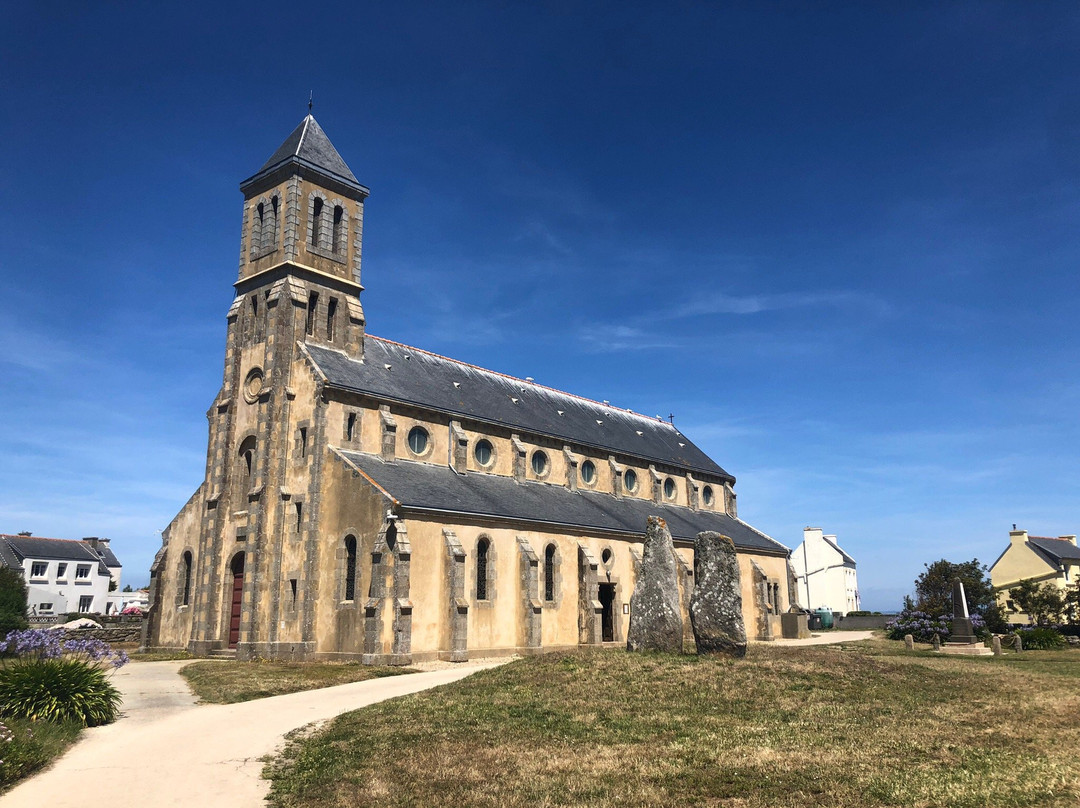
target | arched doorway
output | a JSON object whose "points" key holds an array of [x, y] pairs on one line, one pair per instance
{"points": [[237, 567]]}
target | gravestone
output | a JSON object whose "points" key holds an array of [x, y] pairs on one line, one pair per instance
{"points": [[937, 642], [1018, 644], [716, 603], [996, 645], [655, 614], [909, 642]]}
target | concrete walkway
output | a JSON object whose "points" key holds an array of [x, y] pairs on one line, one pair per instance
{"points": [[828, 638], [166, 751]]}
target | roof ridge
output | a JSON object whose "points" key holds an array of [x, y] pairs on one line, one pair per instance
{"points": [[300, 142], [38, 538], [620, 410]]}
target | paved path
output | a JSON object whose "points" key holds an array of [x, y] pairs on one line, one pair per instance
{"points": [[829, 638], [165, 751]]}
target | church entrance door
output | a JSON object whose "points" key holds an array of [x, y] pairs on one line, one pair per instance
{"points": [[607, 600], [237, 599]]}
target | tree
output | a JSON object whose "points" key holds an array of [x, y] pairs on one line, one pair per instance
{"points": [[1044, 603], [12, 601], [934, 591], [127, 587]]}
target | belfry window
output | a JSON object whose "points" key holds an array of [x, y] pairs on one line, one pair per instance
{"points": [[269, 225], [316, 222], [247, 459], [482, 569], [338, 243]]}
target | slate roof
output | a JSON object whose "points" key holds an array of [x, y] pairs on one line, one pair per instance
{"points": [[401, 373], [847, 559], [1056, 549], [440, 489], [309, 146], [23, 547]]}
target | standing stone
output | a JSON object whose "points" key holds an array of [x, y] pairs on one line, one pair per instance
{"points": [[655, 614], [937, 642], [1018, 644], [716, 604], [996, 645], [909, 642]]}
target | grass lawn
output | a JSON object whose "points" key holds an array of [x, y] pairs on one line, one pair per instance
{"points": [[29, 746], [856, 725], [228, 682]]}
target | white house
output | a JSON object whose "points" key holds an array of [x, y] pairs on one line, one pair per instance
{"points": [[63, 575], [825, 573]]}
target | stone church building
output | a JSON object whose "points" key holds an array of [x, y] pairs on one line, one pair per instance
{"points": [[364, 499]]}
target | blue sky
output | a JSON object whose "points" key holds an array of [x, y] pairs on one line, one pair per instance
{"points": [[838, 241]]}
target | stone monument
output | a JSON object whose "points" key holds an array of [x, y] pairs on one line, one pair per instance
{"points": [[655, 613], [963, 640], [716, 603]]}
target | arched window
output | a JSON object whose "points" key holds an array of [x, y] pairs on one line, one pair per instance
{"points": [[316, 222], [338, 244], [482, 569], [269, 225], [549, 572], [257, 228], [247, 459], [187, 579], [350, 567]]}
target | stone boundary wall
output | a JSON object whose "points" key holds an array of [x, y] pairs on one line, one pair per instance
{"points": [[863, 622]]}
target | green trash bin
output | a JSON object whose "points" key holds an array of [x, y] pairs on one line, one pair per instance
{"points": [[826, 617]]}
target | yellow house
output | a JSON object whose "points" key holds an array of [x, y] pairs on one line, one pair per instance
{"points": [[1039, 558]]}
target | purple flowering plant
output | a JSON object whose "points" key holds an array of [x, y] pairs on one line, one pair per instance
{"points": [[38, 644]]}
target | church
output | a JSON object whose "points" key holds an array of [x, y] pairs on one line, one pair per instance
{"points": [[367, 500]]}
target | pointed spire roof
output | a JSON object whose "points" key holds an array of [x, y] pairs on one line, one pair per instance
{"points": [[308, 147]]}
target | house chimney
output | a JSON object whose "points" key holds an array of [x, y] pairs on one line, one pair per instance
{"points": [[1018, 536], [92, 541], [1070, 539]]}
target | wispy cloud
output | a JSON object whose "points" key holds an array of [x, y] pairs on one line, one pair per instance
{"points": [[600, 338], [724, 303]]}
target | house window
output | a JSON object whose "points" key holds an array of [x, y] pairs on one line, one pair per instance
{"points": [[482, 452], [331, 314], [39, 569], [669, 488], [45, 608], [418, 440], [86, 603], [82, 572], [588, 471], [549, 572], [61, 571], [630, 480], [187, 579], [350, 567], [539, 463], [482, 569]]}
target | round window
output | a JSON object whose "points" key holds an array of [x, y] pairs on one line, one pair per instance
{"points": [[483, 452], [418, 440], [706, 494], [606, 555], [669, 488], [539, 463], [253, 385], [630, 480], [588, 471]]}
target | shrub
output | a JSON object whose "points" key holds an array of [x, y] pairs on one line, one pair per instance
{"points": [[12, 601], [1040, 639], [923, 627], [52, 678]]}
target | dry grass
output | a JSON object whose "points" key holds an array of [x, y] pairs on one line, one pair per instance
{"points": [[228, 682], [865, 726]]}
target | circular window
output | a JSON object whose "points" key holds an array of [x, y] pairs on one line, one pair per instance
{"points": [[253, 385], [630, 480], [418, 440], [706, 494], [482, 452], [607, 555], [588, 471], [669, 488], [539, 463]]}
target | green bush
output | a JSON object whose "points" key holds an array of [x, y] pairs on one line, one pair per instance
{"points": [[1040, 639], [27, 746], [12, 601], [58, 690]]}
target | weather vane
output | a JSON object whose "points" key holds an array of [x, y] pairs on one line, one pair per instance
{"points": [[310, 98]]}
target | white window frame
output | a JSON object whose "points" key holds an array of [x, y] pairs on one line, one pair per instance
{"points": [[82, 572], [35, 566]]}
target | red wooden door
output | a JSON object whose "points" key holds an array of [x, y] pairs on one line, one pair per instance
{"points": [[234, 615]]}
